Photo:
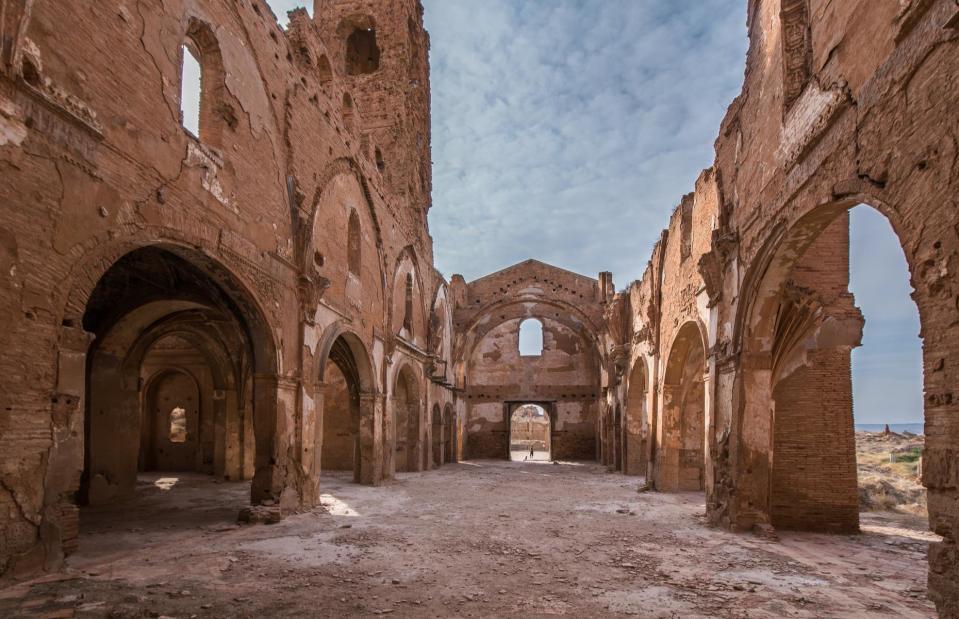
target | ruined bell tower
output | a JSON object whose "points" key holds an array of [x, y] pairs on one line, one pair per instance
{"points": [[381, 51]]}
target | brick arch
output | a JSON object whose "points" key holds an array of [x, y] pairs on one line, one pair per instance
{"points": [[565, 379], [690, 333], [795, 341], [363, 362], [469, 335], [213, 349], [787, 241], [344, 166], [681, 431], [227, 290], [150, 390], [230, 378], [408, 254], [304, 242], [344, 347], [636, 418], [91, 265], [406, 426]]}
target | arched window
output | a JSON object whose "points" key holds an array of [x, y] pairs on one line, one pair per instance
{"points": [[178, 425], [408, 308], [362, 53], [190, 85], [531, 338], [203, 110], [353, 244]]}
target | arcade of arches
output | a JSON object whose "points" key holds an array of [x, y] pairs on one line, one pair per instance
{"points": [[252, 302]]}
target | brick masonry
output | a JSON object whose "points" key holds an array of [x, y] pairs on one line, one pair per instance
{"points": [[293, 230]]}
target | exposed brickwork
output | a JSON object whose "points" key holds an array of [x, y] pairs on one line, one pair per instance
{"points": [[291, 234], [286, 230], [843, 104], [565, 379]]}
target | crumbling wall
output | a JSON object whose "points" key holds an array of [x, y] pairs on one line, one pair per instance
{"points": [[564, 374], [842, 104], [672, 296], [96, 165], [565, 379]]}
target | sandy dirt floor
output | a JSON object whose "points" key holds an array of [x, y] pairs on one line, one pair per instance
{"points": [[475, 539]]}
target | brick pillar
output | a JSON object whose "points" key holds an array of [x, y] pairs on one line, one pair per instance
{"points": [[814, 484]]}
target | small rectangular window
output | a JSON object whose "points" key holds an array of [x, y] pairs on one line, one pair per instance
{"points": [[531, 338], [178, 425], [190, 92]]}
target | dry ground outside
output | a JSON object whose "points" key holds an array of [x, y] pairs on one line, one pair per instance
{"points": [[475, 539], [889, 472]]}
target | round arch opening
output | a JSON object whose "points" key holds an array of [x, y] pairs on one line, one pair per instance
{"points": [[174, 377], [801, 324]]}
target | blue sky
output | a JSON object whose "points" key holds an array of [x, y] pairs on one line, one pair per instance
{"points": [[887, 368], [567, 130]]}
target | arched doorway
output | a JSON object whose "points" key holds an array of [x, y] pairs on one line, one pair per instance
{"points": [[406, 422], [170, 427], [634, 460], [437, 436], [170, 375], [345, 408], [681, 458], [341, 403], [530, 434]]}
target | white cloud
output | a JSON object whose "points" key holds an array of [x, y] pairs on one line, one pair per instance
{"points": [[569, 130]]}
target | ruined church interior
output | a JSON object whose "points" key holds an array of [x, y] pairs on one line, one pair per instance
{"points": [[235, 383]]}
